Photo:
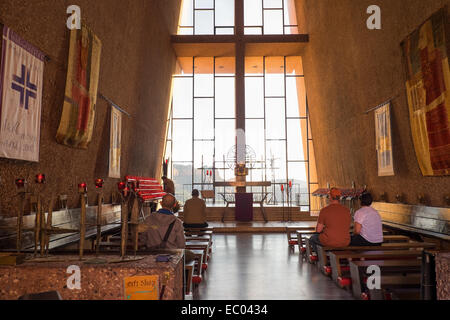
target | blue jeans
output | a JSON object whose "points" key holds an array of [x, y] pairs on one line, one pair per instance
{"points": [[314, 241]]}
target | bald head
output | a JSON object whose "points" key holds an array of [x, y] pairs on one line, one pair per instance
{"points": [[168, 201]]}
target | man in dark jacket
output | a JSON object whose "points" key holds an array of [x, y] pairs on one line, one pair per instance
{"points": [[158, 224]]}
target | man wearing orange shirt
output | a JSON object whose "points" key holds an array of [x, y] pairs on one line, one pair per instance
{"points": [[333, 226]]}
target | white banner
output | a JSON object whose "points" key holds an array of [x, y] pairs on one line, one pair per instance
{"points": [[384, 141], [115, 143], [21, 83]]}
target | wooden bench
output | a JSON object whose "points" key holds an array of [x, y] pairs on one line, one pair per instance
{"points": [[292, 234], [337, 268], [189, 273], [197, 272], [199, 245], [393, 273], [322, 251]]}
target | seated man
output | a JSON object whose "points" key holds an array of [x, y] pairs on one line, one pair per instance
{"points": [[195, 212], [368, 230], [333, 226], [163, 224], [168, 185]]}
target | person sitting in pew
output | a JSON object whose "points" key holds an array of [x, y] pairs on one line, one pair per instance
{"points": [[333, 225], [194, 212], [165, 225], [368, 228]]}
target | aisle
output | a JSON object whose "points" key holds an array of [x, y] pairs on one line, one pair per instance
{"points": [[260, 266]]}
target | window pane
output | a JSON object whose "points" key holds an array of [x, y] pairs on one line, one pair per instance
{"points": [[225, 97], [169, 131], [186, 31], [184, 66], [225, 66], [291, 30], [224, 30], [273, 4], [168, 150], [225, 137], [274, 85], [253, 30], [294, 66], [182, 97], [204, 119], [275, 118], [187, 13], [253, 12], [182, 140], [204, 85], [274, 76], [254, 66], [254, 97], [276, 161], [295, 141], [254, 132], [203, 149], [204, 4], [290, 15], [298, 176], [182, 178], [224, 13], [273, 22], [296, 97], [204, 22]]}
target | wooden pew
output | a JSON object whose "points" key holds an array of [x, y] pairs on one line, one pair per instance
{"points": [[337, 268], [189, 273], [291, 233], [393, 273], [199, 245], [322, 251], [197, 273]]}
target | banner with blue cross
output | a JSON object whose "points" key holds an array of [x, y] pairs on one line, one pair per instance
{"points": [[21, 82]]}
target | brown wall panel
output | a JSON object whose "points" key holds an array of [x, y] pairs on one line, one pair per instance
{"points": [[136, 66], [350, 69]]}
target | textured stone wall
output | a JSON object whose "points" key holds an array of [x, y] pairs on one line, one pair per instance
{"points": [[136, 66], [350, 69], [443, 276]]}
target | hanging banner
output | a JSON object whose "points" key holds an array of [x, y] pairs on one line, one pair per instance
{"points": [[428, 89], [77, 120], [115, 143], [384, 141], [22, 73]]}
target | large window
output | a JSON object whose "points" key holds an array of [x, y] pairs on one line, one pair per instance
{"points": [[216, 17], [202, 127], [207, 17], [202, 124]]}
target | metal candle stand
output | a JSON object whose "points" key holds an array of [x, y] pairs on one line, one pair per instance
{"points": [[82, 190]]}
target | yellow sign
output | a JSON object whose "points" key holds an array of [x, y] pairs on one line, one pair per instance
{"points": [[142, 288]]}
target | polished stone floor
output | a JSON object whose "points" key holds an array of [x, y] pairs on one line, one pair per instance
{"points": [[261, 267]]}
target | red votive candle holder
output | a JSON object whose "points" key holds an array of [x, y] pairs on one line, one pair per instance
{"points": [[20, 183], [82, 187], [40, 178], [99, 183]]}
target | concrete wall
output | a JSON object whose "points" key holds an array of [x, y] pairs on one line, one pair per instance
{"points": [[136, 67], [350, 69]]}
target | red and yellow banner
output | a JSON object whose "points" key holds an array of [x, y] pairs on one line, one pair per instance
{"points": [[428, 89], [77, 120]]}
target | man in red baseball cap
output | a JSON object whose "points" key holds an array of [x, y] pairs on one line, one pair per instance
{"points": [[333, 226]]}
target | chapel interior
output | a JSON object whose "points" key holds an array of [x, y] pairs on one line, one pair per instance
{"points": [[263, 106]]}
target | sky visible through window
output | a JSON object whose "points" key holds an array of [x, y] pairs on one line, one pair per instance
{"points": [[216, 17], [202, 126]]}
